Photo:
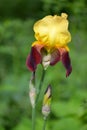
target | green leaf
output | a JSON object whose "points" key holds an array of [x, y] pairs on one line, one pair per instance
{"points": [[69, 108], [66, 124], [7, 50]]}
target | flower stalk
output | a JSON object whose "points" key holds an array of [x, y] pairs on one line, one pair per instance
{"points": [[33, 118], [40, 85], [44, 124], [32, 95]]}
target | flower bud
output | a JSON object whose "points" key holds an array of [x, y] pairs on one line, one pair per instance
{"points": [[32, 90], [46, 102]]}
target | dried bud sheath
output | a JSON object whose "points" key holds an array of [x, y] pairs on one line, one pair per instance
{"points": [[32, 90]]}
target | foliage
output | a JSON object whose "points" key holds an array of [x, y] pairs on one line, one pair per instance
{"points": [[37, 8], [69, 102], [72, 7], [19, 8]]}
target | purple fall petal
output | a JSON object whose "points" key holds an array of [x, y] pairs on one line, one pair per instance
{"points": [[67, 63], [55, 57], [33, 59]]}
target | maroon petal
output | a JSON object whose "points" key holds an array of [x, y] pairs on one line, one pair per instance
{"points": [[66, 62], [55, 57], [33, 59]]}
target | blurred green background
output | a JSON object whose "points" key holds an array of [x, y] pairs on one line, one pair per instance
{"points": [[69, 101]]}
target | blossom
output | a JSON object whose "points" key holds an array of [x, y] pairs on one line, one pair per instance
{"points": [[47, 101], [51, 45]]}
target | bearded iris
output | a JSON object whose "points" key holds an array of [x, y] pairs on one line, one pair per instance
{"points": [[51, 45]]}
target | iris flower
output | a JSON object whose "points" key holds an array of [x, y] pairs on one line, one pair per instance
{"points": [[51, 45]]}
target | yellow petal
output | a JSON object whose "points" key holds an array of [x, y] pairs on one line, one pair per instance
{"points": [[52, 31]]}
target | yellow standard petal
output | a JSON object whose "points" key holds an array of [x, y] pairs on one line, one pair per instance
{"points": [[52, 31]]}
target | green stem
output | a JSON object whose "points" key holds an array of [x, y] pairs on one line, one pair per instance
{"points": [[37, 97], [33, 118], [44, 124], [40, 85]]}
